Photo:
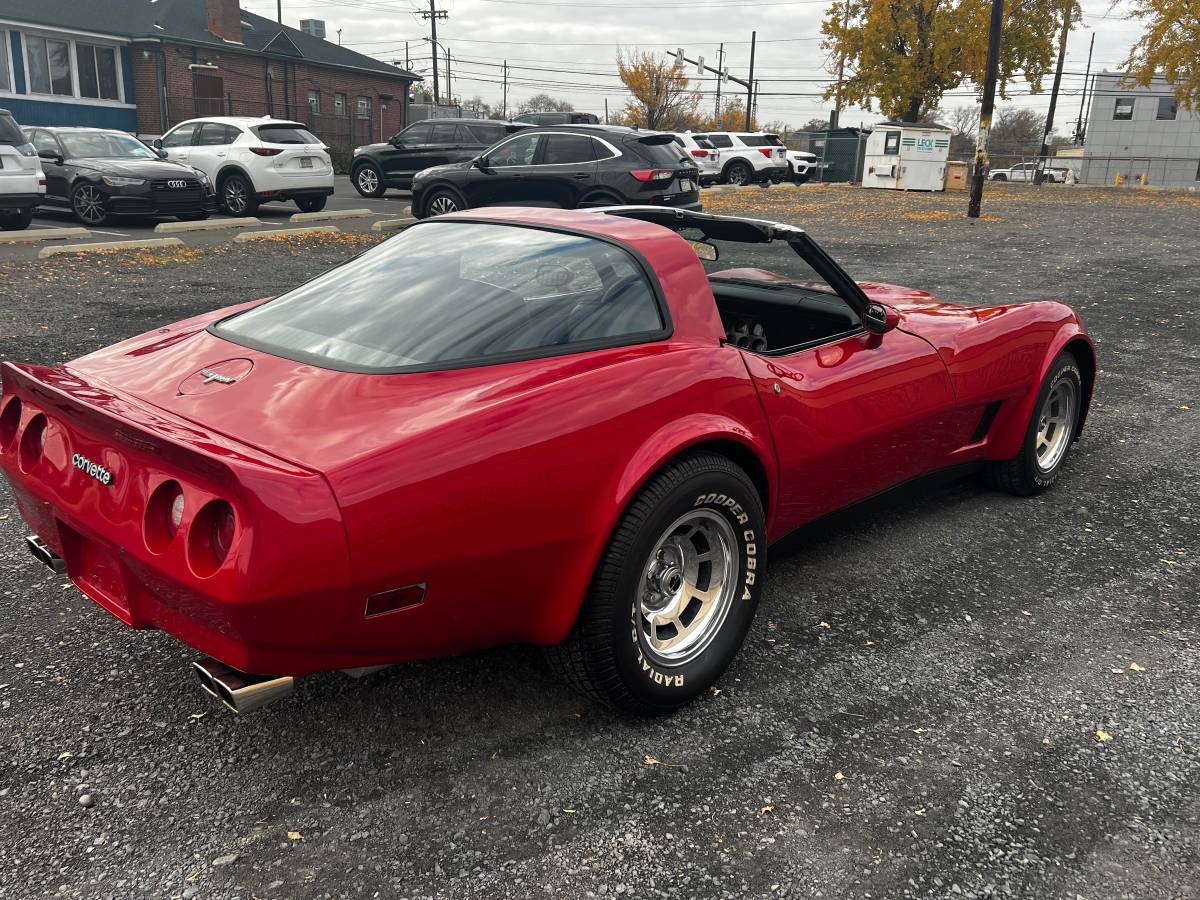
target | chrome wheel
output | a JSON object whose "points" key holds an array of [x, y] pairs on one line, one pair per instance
{"points": [[368, 181], [1056, 422], [687, 587], [89, 205], [442, 204], [235, 196]]}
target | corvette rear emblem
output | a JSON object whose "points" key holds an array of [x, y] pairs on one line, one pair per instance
{"points": [[210, 376], [92, 469]]}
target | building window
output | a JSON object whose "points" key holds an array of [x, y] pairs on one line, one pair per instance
{"points": [[97, 72], [5, 77], [314, 102], [1166, 109], [364, 107], [1123, 109], [49, 64], [1198, 170], [339, 104]]}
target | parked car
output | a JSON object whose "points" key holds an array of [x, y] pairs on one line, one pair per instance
{"points": [[22, 184], [749, 158], [432, 142], [800, 165], [540, 426], [566, 167], [1026, 171], [558, 118], [253, 161], [97, 173], [706, 157]]}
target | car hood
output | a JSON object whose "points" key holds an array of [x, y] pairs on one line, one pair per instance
{"points": [[136, 168], [373, 148], [434, 171], [323, 420]]}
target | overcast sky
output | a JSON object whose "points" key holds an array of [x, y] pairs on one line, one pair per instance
{"points": [[567, 47]]}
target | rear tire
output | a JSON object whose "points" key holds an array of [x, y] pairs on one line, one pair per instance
{"points": [[999, 178], [738, 173], [237, 196], [15, 221], [368, 180], [311, 204], [1049, 435], [594, 200], [674, 593]]}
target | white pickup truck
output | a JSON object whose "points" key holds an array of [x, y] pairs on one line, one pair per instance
{"points": [[1025, 172]]}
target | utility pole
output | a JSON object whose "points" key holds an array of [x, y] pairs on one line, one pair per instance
{"points": [[605, 110], [1083, 99], [433, 14], [837, 96], [449, 92], [720, 78], [504, 106], [1039, 172], [279, 11], [746, 84], [750, 85], [987, 108]]}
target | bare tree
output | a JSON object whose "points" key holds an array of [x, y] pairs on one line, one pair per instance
{"points": [[545, 103]]}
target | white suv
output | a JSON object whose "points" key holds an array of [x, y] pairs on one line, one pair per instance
{"points": [[706, 157], [22, 184], [749, 157], [251, 161]]}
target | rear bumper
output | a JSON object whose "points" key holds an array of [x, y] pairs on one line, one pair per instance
{"points": [[300, 184], [26, 202], [293, 194]]}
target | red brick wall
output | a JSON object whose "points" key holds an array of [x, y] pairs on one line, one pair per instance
{"points": [[224, 19], [248, 91]]}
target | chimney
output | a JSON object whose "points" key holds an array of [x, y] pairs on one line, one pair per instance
{"points": [[225, 19]]}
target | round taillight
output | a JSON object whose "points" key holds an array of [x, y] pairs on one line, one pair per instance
{"points": [[10, 421], [164, 515], [32, 443], [211, 537]]}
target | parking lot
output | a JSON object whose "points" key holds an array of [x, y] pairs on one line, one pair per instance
{"points": [[392, 205], [948, 692]]}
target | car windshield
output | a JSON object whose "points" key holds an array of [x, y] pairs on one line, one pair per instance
{"points": [[443, 294], [104, 144]]}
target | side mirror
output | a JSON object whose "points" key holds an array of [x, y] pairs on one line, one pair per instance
{"points": [[706, 251], [156, 144], [879, 319], [481, 163], [397, 141], [51, 156]]}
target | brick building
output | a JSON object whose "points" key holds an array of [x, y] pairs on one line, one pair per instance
{"points": [[143, 65]]}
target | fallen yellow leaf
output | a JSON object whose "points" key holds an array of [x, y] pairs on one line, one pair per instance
{"points": [[1026, 612], [650, 760], [198, 716], [839, 777], [1168, 562], [1118, 671], [919, 812], [569, 812], [1103, 736], [767, 809], [1136, 668], [294, 835], [1045, 740], [66, 754], [870, 643], [918, 731], [824, 625]]}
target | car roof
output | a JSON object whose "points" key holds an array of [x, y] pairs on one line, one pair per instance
{"points": [[72, 129], [441, 121], [242, 121]]}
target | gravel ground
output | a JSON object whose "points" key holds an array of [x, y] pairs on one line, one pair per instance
{"points": [[949, 693]]}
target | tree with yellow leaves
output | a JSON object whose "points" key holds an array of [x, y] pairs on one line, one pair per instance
{"points": [[1169, 46], [732, 118], [662, 98], [908, 53]]}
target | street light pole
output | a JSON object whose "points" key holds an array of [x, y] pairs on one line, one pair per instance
{"points": [[750, 85], [1039, 173], [987, 108]]}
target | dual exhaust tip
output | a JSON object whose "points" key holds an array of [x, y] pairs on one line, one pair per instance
{"points": [[241, 691]]}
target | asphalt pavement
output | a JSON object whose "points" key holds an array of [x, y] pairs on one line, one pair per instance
{"points": [[948, 693]]}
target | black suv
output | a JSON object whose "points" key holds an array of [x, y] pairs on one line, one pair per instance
{"points": [[432, 142], [557, 118], [567, 167]]}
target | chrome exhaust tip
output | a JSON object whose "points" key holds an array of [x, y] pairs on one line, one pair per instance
{"points": [[42, 553], [241, 691]]}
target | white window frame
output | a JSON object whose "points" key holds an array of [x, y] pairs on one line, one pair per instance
{"points": [[358, 106], [72, 41], [314, 94], [339, 100], [93, 47], [9, 74]]}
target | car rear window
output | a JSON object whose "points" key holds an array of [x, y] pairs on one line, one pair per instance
{"points": [[447, 294], [668, 154], [760, 140], [10, 134], [285, 134]]}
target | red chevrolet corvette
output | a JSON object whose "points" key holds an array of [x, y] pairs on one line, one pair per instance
{"points": [[575, 429]]}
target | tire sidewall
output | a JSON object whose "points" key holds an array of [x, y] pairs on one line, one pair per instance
{"points": [[1064, 367], [439, 191], [666, 687], [246, 187], [75, 192], [748, 174]]}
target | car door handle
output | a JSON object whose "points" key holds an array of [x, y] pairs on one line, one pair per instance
{"points": [[581, 175]]}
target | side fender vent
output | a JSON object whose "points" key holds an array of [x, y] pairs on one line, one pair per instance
{"points": [[985, 421]]}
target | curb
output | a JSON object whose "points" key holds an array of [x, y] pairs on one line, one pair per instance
{"points": [[111, 245], [394, 224], [333, 214], [206, 225], [285, 232], [47, 234]]}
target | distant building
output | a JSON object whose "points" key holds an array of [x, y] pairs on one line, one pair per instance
{"points": [[1140, 135], [145, 65], [315, 27]]}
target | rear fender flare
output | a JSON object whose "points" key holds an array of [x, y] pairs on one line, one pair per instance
{"points": [[670, 441], [1010, 427]]}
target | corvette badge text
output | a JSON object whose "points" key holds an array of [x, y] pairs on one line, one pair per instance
{"points": [[92, 469]]}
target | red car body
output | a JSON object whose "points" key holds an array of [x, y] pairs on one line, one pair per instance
{"points": [[479, 498]]}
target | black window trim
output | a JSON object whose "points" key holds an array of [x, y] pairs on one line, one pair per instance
{"points": [[569, 349]]}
